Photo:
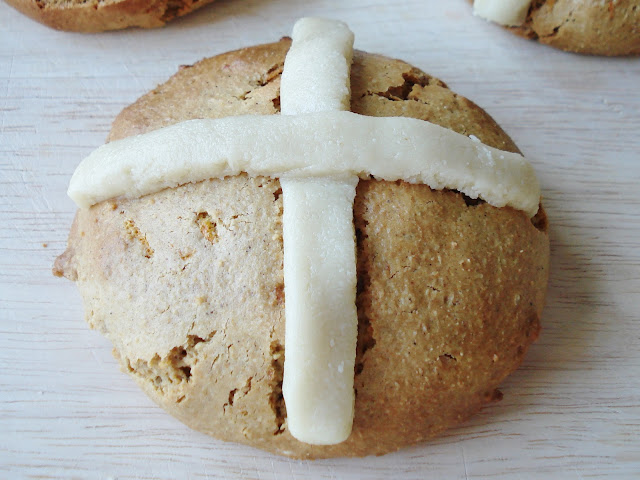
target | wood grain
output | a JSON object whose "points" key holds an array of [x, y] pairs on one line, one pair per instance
{"points": [[571, 411]]}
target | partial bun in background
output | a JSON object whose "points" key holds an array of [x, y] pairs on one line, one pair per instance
{"points": [[100, 15], [596, 27]]}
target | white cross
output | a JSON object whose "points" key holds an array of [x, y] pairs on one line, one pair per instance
{"points": [[318, 151], [319, 249]]}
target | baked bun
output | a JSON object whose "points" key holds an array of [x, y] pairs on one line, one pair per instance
{"points": [[187, 283], [597, 27], [101, 15]]}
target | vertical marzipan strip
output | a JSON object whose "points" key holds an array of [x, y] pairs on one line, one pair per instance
{"points": [[316, 75], [319, 249]]}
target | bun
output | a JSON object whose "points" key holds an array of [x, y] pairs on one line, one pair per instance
{"points": [[187, 283]]}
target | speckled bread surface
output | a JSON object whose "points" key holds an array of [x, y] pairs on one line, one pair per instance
{"points": [[100, 15], [597, 27], [188, 284]]}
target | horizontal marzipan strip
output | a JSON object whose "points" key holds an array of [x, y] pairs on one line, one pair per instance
{"points": [[307, 145]]}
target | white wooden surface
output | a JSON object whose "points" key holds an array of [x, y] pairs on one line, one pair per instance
{"points": [[571, 411]]}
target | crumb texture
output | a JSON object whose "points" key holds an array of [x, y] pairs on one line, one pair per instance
{"points": [[187, 283]]}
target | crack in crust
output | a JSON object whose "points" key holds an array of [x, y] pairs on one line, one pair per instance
{"points": [[233, 394], [168, 374], [365, 339], [404, 92], [275, 375], [208, 227], [273, 73], [133, 232]]}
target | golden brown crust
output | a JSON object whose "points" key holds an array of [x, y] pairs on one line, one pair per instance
{"points": [[596, 27], [187, 283], [101, 15]]}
